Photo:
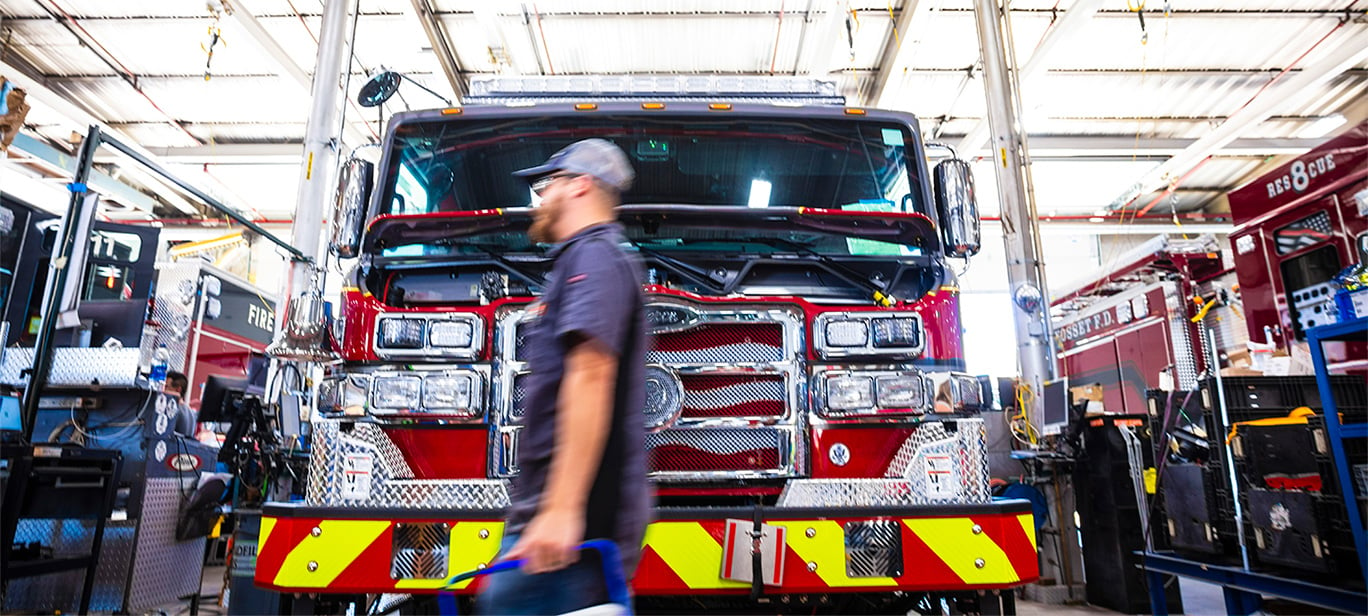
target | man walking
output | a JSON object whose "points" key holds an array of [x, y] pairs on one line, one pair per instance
{"points": [[581, 455]]}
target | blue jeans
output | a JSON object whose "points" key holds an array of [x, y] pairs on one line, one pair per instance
{"points": [[565, 590]]}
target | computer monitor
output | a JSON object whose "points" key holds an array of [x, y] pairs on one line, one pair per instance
{"points": [[258, 368], [222, 397], [1054, 407], [11, 416]]}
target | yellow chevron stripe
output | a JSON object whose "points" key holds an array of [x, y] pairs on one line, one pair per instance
{"points": [[690, 552], [826, 547], [466, 552], [954, 541], [1028, 524], [339, 543], [267, 525]]}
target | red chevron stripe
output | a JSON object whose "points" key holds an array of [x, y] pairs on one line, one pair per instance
{"points": [[284, 538]]}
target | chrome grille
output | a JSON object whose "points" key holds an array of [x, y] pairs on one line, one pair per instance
{"points": [[873, 549], [420, 551], [742, 386]]}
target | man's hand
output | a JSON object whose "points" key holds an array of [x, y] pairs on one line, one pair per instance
{"points": [[549, 542]]}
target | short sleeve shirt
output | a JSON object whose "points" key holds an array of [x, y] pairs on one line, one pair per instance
{"points": [[593, 292]]}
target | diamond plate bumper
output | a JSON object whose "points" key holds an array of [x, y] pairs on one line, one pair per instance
{"points": [[863, 549], [75, 367]]}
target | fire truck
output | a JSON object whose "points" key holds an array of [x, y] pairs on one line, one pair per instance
{"points": [[1296, 227], [813, 441]]}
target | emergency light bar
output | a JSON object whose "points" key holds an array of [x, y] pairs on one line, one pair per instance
{"points": [[496, 90]]}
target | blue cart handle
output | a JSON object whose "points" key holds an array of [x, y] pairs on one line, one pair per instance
{"points": [[613, 578]]}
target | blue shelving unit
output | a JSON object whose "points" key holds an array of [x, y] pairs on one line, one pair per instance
{"points": [[1356, 330]]}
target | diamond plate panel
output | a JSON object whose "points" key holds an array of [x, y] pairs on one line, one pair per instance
{"points": [[172, 313], [75, 367], [873, 549], [715, 450], [61, 591], [391, 479], [420, 551], [164, 569], [932, 452]]}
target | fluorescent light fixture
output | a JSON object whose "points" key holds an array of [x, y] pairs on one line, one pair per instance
{"points": [[759, 193], [1323, 126], [1096, 219]]}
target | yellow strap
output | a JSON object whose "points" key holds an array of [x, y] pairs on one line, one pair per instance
{"points": [[1296, 417]]}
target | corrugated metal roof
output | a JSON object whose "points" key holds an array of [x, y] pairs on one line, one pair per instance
{"points": [[1199, 64]]}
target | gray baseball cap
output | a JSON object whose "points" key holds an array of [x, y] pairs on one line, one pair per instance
{"points": [[596, 157]]}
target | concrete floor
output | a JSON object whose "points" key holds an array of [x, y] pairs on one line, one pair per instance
{"points": [[1199, 599]]}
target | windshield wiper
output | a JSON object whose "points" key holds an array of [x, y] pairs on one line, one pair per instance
{"points": [[681, 268], [528, 275], [878, 290]]}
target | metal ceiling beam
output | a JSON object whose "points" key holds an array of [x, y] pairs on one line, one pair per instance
{"points": [[911, 18], [820, 42], [1345, 51], [1073, 19], [1042, 148], [41, 96], [446, 56], [289, 71]]}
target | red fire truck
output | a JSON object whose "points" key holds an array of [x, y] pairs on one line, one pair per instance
{"points": [[805, 381]]}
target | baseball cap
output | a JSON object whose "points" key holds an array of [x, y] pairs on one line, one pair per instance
{"points": [[596, 157]]}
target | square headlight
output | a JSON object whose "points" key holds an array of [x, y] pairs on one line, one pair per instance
{"points": [[455, 392], [850, 393], [897, 333], [899, 391], [396, 333], [396, 392], [452, 334], [850, 333]]}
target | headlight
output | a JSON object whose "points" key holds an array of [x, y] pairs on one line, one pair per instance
{"points": [[900, 391], [451, 393], [857, 393], [897, 333], [401, 333], [850, 393], [847, 334], [853, 334], [396, 392], [430, 335], [452, 334]]}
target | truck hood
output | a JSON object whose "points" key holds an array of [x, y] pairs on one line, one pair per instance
{"points": [[389, 231]]}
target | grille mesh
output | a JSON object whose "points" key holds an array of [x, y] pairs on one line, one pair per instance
{"points": [[712, 450], [733, 396], [720, 343]]}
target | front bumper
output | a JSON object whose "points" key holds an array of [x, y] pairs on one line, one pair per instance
{"points": [[943, 548]]}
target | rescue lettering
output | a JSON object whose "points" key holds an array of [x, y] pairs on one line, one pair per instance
{"points": [[1300, 175]]}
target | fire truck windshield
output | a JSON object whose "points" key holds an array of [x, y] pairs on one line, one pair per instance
{"points": [[852, 164]]}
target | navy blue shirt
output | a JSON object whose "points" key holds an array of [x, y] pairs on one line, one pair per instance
{"points": [[593, 291]]}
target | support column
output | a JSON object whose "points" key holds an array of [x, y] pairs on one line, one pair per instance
{"points": [[318, 166], [1020, 229]]}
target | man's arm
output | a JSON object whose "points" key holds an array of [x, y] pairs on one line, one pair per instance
{"points": [[584, 417]]}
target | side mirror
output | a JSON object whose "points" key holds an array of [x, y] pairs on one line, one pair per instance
{"points": [[353, 194], [957, 207]]}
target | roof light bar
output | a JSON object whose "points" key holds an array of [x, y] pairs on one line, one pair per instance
{"points": [[575, 88]]}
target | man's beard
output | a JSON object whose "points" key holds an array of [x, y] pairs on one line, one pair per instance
{"points": [[540, 231]]}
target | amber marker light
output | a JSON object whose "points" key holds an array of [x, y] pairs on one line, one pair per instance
{"points": [[585, 106], [719, 106], [854, 111], [451, 111], [653, 106]]}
